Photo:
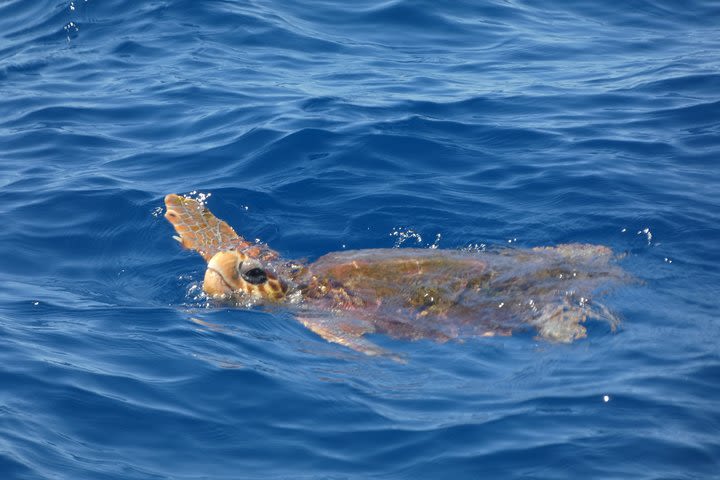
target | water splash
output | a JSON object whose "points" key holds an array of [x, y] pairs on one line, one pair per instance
{"points": [[475, 247], [199, 197], [647, 233], [404, 235], [71, 30]]}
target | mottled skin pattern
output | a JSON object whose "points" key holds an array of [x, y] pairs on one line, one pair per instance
{"points": [[406, 293]]}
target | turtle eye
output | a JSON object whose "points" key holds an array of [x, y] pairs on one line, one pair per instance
{"points": [[254, 276]]}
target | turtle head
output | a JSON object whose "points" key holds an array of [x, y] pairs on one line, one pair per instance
{"points": [[238, 272]]}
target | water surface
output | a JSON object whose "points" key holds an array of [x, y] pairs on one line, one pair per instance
{"points": [[320, 126]]}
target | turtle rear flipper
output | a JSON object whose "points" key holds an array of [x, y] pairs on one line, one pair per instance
{"points": [[347, 332], [198, 229], [563, 322]]}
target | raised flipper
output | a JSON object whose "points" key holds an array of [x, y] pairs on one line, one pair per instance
{"points": [[347, 332], [198, 229]]}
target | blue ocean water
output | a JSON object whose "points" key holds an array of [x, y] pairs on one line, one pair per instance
{"points": [[326, 125]]}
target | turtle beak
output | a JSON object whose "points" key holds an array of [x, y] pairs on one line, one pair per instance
{"points": [[215, 285], [221, 276]]}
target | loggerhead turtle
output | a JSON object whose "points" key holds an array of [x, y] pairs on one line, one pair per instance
{"points": [[405, 293]]}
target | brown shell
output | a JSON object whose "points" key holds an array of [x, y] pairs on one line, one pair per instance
{"points": [[441, 294]]}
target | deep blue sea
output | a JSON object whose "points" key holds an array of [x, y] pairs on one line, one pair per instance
{"points": [[327, 125]]}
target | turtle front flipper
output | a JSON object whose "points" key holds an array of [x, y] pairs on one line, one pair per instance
{"points": [[347, 332], [198, 229]]}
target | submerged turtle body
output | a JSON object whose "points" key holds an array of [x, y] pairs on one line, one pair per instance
{"points": [[406, 293]]}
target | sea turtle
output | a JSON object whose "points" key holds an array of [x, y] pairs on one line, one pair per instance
{"points": [[403, 292]]}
